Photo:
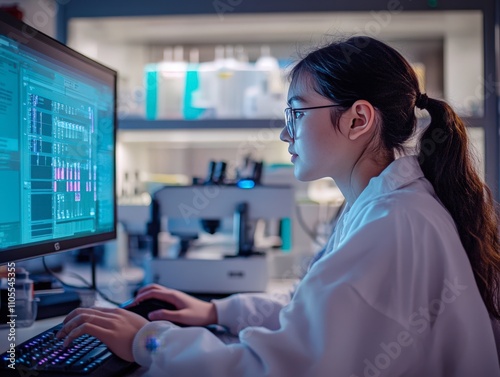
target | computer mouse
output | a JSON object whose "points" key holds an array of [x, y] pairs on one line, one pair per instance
{"points": [[150, 305]]}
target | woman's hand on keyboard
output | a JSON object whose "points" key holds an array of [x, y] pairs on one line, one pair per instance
{"points": [[189, 310], [114, 327]]}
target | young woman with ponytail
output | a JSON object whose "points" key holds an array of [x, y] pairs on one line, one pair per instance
{"points": [[408, 284]]}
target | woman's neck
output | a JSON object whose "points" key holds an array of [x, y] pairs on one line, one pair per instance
{"points": [[361, 174]]}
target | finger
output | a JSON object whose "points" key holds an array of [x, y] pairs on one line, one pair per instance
{"points": [[144, 293], [92, 329], [74, 313], [90, 317], [168, 296], [108, 310], [150, 287], [80, 311], [167, 315], [115, 313], [85, 317]]}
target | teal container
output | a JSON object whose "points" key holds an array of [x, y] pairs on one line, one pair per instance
{"points": [[286, 235], [192, 85], [151, 84]]}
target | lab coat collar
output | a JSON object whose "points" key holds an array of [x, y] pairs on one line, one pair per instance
{"points": [[397, 174]]}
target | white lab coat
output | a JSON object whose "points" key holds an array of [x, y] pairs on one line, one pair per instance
{"points": [[393, 295]]}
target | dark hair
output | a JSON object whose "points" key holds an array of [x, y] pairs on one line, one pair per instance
{"points": [[365, 68]]}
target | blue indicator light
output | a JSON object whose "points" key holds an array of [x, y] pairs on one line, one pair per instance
{"points": [[246, 184]]}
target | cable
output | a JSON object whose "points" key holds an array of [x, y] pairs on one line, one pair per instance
{"points": [[304, 227], [87, 286], [54, 275], [336, 217], [313, 235]]}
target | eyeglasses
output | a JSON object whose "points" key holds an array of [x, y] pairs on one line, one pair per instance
{"points": [[290, 117]]}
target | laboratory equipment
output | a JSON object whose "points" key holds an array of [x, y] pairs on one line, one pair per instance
{"points": [[216, 266]]}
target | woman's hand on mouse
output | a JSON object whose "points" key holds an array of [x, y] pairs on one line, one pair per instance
{"points": [[189, 310], [114, 327]]}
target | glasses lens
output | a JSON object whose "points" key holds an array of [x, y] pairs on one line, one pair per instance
{"points": [[289, 121]]}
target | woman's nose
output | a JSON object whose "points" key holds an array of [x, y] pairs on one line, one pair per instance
{"points": [[285, 136]]}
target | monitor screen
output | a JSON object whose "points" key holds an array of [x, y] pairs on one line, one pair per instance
{"points": [[57, 146]]}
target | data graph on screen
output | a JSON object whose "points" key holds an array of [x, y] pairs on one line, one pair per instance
{"points": [[56, 148]]}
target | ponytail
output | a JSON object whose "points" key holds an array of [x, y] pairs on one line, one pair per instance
{"points": [[446, 162]]}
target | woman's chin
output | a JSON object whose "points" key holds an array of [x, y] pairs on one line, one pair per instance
{"points": [[304, 176]]}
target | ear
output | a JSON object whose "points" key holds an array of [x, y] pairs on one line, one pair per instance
{"points": [[361, 119]]}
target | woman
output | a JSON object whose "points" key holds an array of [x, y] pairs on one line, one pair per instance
{"points": [[409, 279]]}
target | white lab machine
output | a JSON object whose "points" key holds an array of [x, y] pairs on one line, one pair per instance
{"points": [[217, 268]]}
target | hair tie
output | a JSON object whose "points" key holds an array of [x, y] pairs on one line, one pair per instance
{"points": [[422, 101]]}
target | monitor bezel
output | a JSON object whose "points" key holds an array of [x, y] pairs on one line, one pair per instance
{"points": [[29, 36]]}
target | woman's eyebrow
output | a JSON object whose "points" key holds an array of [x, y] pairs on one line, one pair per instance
{"points": [[295, 98]]}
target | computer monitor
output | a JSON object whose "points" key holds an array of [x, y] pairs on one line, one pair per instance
{"points": [[57, 146]]}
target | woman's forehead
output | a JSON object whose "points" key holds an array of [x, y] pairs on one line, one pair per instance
{"points": [[302, 81], [302, 87]]}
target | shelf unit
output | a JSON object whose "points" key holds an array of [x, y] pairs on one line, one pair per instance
{"points": [[134, 124], [203, 124], [298, 11]]}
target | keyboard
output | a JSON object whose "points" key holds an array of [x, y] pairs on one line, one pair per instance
{"points": [[44, 355]]}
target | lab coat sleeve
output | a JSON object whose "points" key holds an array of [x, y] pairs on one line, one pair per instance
{"points": [[313, 341], [328, 329], [240, 311]]}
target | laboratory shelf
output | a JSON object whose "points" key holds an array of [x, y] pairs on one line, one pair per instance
{"points": [[208, 124], [181, 124]]}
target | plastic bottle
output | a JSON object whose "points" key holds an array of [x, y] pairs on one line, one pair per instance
{"points": [[233, 78], [151, 90], [269, 66], [146, 247], [165, 85], [190, 110], [264, 98], [25, 304], [117, 252], [206, 95]]}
